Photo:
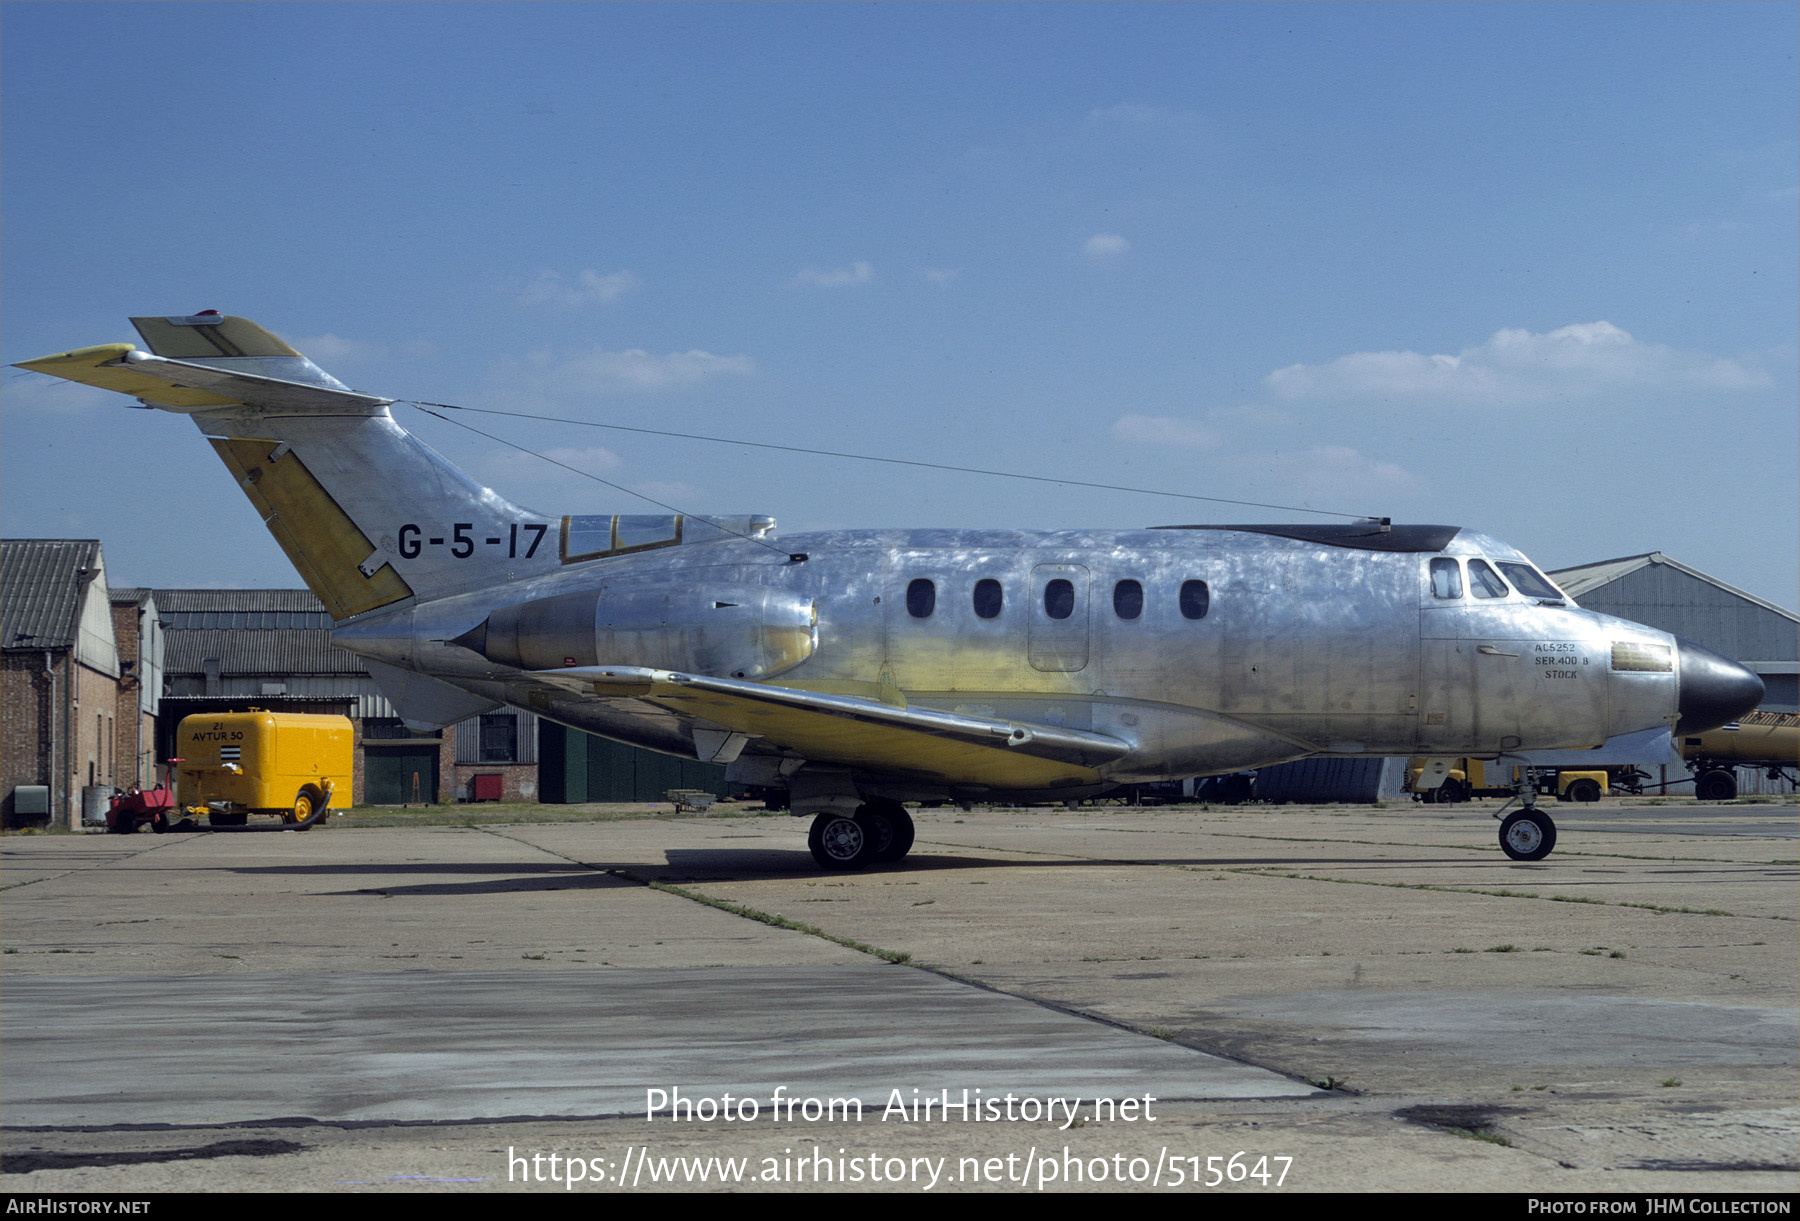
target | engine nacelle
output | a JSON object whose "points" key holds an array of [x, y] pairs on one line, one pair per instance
{"points": [[725, 631]]}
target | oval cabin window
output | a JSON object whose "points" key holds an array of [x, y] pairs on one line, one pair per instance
{"points": [[1059, 599], [1128, 599], [988, 598], [921, 598], [1194, 599]]}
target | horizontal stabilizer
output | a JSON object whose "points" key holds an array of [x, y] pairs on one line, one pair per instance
{"points": [[251, 389], [180, 385], [914, 741]]}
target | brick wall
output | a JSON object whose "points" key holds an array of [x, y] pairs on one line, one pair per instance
{"points": [[26, 713]]}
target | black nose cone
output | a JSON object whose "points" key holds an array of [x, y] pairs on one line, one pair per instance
{"points": [[1714, 689]]}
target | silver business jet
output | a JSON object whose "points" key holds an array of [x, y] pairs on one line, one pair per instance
{"points": [[861, 670]]}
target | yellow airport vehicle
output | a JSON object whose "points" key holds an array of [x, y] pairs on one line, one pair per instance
{"points": [[1471, 778], [295, 765]]}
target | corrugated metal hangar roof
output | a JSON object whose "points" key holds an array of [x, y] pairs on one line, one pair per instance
{"points": [[281, 651], [43, 580], [1667, 594]]}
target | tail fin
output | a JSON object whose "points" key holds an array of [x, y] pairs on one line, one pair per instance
{"points": [[367, 512]]}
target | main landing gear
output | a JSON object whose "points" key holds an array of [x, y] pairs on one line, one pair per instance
{"points": [[880, 832], [1526, 834]]}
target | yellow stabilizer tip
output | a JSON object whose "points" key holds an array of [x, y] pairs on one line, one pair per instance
{"points": [[99, 366]]}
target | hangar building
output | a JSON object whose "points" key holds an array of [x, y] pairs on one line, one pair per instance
{"points": [[1686, 602]]}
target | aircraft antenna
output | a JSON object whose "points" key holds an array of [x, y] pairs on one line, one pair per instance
{"points": [[794, 557], [832, 453]]}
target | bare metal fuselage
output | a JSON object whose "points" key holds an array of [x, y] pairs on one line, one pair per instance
{"points": [[1303, 648]]}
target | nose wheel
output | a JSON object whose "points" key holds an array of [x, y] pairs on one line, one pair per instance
{"points": [[1527, 835]]}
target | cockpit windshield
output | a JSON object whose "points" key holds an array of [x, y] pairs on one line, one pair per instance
{"points": [[1530, 582], [1485, 582]]}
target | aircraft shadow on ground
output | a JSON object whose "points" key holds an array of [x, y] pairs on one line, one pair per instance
{"points": [[727, 865]]}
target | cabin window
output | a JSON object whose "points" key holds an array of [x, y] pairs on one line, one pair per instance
{"points": [[1485, 582], [921, 598], [1059, 599], [988, 598], [1195, 598], [1446, 579], [1530, 582], [1128, 599]]}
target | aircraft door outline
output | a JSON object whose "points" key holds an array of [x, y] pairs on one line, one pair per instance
{"points": [[1057, 638]]}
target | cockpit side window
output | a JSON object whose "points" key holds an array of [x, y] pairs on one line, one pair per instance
{"points": [[1485, 582], [1446, 579], [1530, 582]]}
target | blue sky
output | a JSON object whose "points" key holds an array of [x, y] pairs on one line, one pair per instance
{"points": [[1528, 268]]}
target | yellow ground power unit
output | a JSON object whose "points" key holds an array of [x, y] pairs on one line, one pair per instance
{"points": [[234, 764]]}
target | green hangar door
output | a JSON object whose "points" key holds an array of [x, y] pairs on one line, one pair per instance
{"points": [[400, 775]]}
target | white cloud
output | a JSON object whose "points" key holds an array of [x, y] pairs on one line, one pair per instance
{"points": [[1105, 246], [592, 460], [530, 480], [1335, 477], [1164, 431], [941, 275], [338, 351], [835, 277], [1252, 415], [603, 372], [1585, 360], [670, 493], [588, 288]]}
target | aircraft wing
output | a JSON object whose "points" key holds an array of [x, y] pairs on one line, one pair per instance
{"points": [[922, 742]]}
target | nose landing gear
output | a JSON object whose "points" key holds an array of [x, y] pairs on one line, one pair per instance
{"points": [[1527, 834]]}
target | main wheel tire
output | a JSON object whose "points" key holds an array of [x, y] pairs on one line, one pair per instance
{"points": [[1584, 790], [1431, 796], [159, 822], [125, 824], [839, 842], [891, 830], [1527, 835], [1716, 785]]}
